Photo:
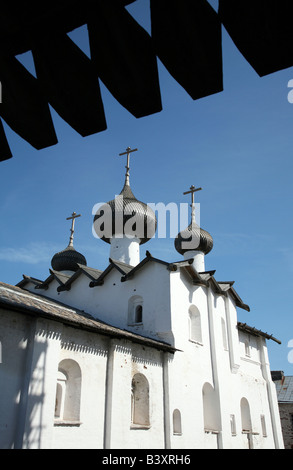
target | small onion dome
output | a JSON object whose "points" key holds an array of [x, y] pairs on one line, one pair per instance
{"points": [[119, 211], [193, 238], [67, 260]]}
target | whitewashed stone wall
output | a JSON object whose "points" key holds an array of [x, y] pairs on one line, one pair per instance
{"points": [[212, 383]]}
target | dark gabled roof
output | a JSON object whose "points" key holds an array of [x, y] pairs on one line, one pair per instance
{"points": [[135, 269], [238, 300], [122, 268], [65, 280], [61, 278], [91, 273], [255, 332], [207, 278], [21, 301], [128, 272], [28, 279]]}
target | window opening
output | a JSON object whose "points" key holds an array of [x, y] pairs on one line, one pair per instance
{"points": [[177, 428], [68, 392], [263, 425], [195, 325], [135, 310], [224, 334], [233, 425], [140, 401], [210, 409], [138, 314], [247, 348]]}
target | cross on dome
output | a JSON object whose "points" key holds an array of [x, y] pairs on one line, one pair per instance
{"points": [[128, 152], [194, 238], [68, 259], [191, 191], [129, 221], [74, 216]]}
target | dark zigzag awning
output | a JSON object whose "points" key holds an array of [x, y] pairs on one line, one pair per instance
{"points": [[185, 36]]}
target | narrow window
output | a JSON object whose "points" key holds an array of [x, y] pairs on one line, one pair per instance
{"points": [[263, 425], [177, 429], [135, 310], [224, 334], [247, 348], [194, 325], [138, 314], [233, 425], [140, 401]]}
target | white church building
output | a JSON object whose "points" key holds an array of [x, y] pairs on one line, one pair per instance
{"points": [[145, 354]]}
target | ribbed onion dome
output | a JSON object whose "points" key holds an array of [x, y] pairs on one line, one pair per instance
{"points": [[120, 210], [193, 238], [67, 260]]}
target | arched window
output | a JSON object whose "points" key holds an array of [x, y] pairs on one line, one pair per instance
{"points": [[245, 416], [68, 391], [135, 310], [194, 324], [210, 409], [246, 421], [177, 428], [140, 409]]}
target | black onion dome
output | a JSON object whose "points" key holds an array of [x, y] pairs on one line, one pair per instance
{"points": [[193, 238], [67, 260], [121, 209]]}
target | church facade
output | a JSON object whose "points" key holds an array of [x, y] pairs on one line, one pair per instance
{"points": [[146, 354]]}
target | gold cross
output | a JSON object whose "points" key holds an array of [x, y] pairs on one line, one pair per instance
{"points": [[74, 216]]}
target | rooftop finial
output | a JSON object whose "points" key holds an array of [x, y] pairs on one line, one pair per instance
{"points": [[193, 190], [128, 152], [74, 215]]}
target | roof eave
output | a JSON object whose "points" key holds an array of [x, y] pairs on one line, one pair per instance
{"points": [[254, 331]]}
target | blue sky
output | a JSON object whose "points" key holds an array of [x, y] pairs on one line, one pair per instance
{"points": [[237, 145]]}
